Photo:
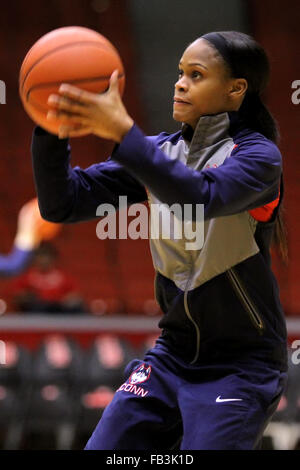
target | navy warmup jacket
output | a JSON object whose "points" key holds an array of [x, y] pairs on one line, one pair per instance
{"points": [[222, 300]]}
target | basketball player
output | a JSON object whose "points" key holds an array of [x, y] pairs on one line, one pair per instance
{"points": [[218, 370]]}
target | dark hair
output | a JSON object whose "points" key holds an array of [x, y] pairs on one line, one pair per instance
{"points": [[245, 58], [47, 249]]}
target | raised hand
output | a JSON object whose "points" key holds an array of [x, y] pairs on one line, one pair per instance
{"points": [[82, 112]]}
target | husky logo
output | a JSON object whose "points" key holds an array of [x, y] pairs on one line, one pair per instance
{"points": [[141, 374]]}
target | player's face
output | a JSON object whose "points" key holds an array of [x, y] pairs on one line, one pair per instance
{"points": [[203, 84]]}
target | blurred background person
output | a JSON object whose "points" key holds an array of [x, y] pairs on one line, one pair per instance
{"points": [[31, 230], [46, 287]]}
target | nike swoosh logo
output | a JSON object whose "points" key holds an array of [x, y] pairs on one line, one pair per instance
{"points": [[221, 400]]}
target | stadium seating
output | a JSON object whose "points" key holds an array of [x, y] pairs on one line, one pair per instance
{"points": [[104, 364], [15, 391], [284, 429], [53, 409]]}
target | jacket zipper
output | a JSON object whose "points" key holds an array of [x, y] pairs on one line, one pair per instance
{"points": [[188, 313], [245, 300]]}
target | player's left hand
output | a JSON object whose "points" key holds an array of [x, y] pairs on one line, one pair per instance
{"points": [[82, 112]]}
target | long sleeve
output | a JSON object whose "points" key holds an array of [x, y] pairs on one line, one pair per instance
{"points": [[247, 179], [15, 262], [67, 194]]}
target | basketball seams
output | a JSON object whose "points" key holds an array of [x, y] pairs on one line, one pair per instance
{"points": [[66, 46], [74, 81], [56, 59]]}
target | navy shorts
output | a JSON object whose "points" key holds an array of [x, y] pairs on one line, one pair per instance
{"points": [[166, 403]]}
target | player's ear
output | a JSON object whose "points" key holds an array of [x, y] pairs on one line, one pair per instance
{"points": [[238, 88]]}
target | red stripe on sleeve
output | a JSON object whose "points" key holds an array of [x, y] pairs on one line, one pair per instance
{"points": [[264, 213]]}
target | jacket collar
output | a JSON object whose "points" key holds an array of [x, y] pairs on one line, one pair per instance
{"points": [[211, 129]]}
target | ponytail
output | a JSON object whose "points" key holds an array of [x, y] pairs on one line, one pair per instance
{"points": [[258, 117], [279, 237], [244, 57]]}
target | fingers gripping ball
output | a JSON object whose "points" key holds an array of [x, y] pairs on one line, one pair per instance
{"points": [[75, 55]]}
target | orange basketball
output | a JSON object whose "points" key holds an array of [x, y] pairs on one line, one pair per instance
{"points": [[75, 55]]}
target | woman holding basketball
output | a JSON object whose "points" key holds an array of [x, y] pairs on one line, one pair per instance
{"points": [[217, 372]]}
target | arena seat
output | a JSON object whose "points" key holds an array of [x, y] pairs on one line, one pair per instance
{"points": [[15, 390], [105, 362], [53, 410], [104, 366], [57, 361], [52, 416], [284, 429]]}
